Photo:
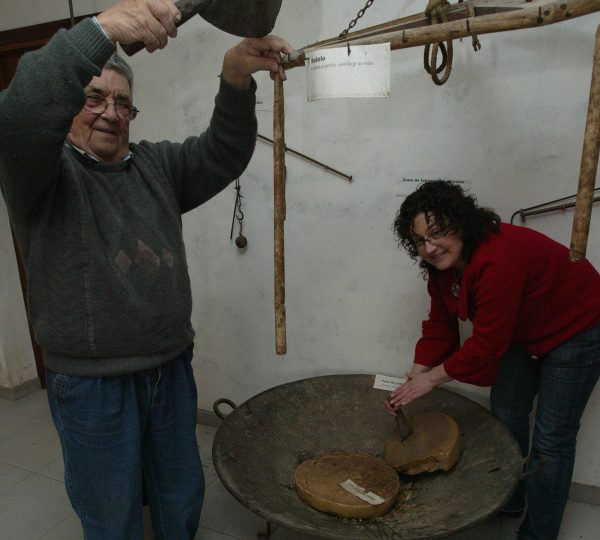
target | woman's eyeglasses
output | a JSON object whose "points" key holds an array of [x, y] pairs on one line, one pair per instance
{"points": [[434, 237]]}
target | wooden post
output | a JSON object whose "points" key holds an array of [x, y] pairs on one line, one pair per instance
{"points": [[279, 214], [589, 165]]}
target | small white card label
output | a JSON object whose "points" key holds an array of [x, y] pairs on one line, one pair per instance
{"points": [[361, 493], [333, 73], [387, 382]]}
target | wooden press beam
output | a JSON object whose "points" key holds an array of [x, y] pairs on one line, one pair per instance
{"points": [[589, 165], [453, 12], [539, 13], [279, 213]]}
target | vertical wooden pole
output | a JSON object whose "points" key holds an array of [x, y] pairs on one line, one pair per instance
{"points": [[279, 214], [589, 165]]}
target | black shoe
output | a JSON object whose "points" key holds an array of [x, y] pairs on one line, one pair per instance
{"points": [[511, 513], [515, 507]]}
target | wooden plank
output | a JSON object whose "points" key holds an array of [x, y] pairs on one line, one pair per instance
{"points": [[589, 165], [279, 214]]}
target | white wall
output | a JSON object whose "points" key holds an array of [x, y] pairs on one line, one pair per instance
{"points": [[510, 121], [19, 13], [17, 363]]}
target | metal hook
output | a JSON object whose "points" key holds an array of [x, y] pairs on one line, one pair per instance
{"points": [[240, 241]]}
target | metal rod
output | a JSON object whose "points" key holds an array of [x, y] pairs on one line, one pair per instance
{"points": [[544, 208], [72, 13], [267, 534], [404, 428], [326, 167], [552, 202]]}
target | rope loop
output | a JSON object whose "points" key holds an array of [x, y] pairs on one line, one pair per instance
{"points": [[426, 56], [436, 12], [431, 64]]}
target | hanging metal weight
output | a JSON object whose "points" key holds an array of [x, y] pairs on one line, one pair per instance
{"points": [[241, 241]]}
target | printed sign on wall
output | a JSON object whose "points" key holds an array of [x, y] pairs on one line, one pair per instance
{"points": [[411, 180], [333, 73]]}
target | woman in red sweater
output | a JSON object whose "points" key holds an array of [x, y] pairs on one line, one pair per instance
{"points": [[536, 331]]}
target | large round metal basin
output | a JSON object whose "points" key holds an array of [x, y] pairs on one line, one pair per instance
{"points": [[259, 444]]}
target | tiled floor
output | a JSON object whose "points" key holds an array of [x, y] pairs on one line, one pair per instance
{"points": [[34, 505]]}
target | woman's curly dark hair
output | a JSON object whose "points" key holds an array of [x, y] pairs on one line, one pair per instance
{"points": [[448, 205]]}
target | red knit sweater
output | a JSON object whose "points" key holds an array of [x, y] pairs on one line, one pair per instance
{"points": [[519, 287]]}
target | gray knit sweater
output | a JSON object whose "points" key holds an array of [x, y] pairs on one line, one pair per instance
{"points": [[108, 289]]}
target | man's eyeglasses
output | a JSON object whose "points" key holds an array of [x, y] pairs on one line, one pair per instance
{"points": [[98, 104], [434, 237]]}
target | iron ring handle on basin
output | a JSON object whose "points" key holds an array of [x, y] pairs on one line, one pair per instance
{"points": [[218, 403], [530, 472]]}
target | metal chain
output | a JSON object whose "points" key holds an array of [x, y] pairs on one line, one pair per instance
{"points": [[241, 240], [355, 20]]}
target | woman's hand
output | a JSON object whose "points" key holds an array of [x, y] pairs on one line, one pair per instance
{"points": [[420, 381], [415, 387]]}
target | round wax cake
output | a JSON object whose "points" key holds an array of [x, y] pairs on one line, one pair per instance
{"points": [[434, 444], [317, 483]]}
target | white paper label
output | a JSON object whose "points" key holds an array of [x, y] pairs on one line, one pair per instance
{"points": [[333, 73], [387, 382], [361, 493]]}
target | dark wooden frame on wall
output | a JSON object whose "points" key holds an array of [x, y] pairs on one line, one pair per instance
{"points": [[13, 44]]}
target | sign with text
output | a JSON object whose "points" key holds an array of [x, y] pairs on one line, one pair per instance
{"points": [[411, 180], [333, 73], [387, 382]]}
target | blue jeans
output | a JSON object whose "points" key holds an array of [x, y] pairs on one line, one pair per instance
{"points": [[563, 381], [114, 431]]}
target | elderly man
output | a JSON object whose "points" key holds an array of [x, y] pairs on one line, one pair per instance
{"points": [[98, 221]]}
